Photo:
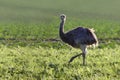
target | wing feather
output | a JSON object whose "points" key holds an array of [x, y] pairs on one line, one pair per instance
{"points": [[82, 35]]}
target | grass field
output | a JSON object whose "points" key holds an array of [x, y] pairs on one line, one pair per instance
{"points": [[30, 47], [49, 63]]}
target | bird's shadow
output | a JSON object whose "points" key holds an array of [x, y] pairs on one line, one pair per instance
{"points": [[73, 64]]}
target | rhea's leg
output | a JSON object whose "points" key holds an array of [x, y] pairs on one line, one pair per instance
{"points": [[84, 51], [72, 58], [84, 56]]}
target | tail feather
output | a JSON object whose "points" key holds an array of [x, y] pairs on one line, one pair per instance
{"points": [[94, 37]]}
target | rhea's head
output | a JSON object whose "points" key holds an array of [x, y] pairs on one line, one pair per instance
{"points": [[63, 17]]}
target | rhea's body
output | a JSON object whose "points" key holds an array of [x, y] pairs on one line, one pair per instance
{"points": [[78, 38]]}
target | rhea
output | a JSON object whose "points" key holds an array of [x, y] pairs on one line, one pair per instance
{"points": [[79, 37]]}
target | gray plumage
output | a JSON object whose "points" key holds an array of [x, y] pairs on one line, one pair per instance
{"points": [[78, 38]]}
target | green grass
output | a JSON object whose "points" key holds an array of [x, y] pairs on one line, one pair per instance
{"points": [[108, 29], [35, 18], [38, 11], [50, 63], [30, 47]]}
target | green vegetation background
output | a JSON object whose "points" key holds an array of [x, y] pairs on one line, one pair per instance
{"points": [[30, 47]]}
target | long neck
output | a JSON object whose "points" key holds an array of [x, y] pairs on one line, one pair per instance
{"points": [[61, 30]]}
